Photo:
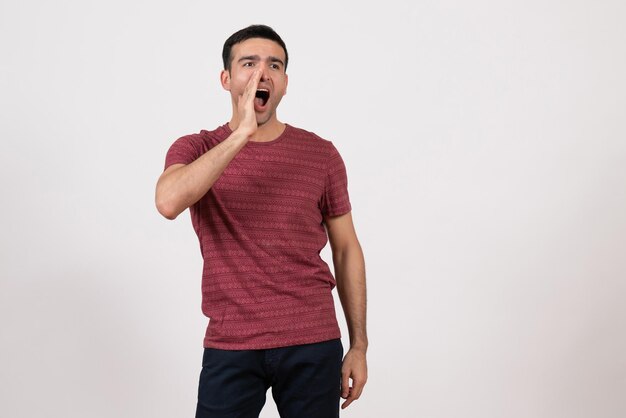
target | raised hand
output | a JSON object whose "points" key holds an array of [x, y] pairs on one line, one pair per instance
{"points": [[245, 106]]}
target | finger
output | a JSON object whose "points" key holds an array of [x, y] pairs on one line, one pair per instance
{"points": [[359, 383], [345, 384], [354, 393], [357, 388], [249, 92], [348, 401], [253, 83]]}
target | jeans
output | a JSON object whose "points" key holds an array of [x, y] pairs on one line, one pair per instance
{"points": [[305, 381]]}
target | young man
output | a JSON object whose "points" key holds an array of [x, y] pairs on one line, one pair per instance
{"points": [[265, 197]]}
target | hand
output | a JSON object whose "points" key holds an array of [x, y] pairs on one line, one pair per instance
{"points": [[245, 106], [354, 367]]}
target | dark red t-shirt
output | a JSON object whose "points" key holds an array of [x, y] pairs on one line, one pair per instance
{"points": [[261, 230]]}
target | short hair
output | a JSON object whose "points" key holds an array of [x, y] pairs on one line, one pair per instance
{"points": [[252, 31]]}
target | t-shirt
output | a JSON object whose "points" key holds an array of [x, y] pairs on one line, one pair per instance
{"points": [[261, 230]]}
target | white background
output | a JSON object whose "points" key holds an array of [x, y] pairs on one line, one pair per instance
{"points": [[486, 152]]}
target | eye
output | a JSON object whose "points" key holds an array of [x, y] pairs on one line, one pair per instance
{"points": [[275, 66], [248, 64]]}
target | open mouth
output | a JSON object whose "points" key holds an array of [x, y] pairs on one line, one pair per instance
{"points": [[262, 96]]}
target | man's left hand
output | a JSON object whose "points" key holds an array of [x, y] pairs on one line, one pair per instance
{"points": [[354, 367]]}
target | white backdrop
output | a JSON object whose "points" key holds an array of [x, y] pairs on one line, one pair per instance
{"points": [[486, 153]]}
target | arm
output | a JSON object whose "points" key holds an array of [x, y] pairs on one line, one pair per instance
{"points": [[350, 275], [182, 185]]}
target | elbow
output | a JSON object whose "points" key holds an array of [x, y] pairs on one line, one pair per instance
{"points": [[169, 215], [166, 212], [166, 208]]}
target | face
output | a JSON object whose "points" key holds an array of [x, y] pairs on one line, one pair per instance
{"points": [[269, 57]]}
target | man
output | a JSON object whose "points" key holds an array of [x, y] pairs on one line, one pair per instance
{"points": [[265, 197]]}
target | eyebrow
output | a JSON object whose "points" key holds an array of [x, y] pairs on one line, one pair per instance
{"points": [[257, 58]]}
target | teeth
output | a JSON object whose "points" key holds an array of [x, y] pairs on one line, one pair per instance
{"points": [[263, 94]]}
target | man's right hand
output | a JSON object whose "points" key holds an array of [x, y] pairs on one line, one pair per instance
{"points": [[245, 106], [182, 185]]}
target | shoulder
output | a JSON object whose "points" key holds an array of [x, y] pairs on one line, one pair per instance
{"points": [[203, 140], [188, 148], [312, 139]]}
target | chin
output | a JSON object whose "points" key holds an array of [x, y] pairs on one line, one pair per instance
{"points": [[263, 119]]}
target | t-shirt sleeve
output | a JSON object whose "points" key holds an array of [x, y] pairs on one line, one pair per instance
{"points": [[335, 199], [182, 151]]}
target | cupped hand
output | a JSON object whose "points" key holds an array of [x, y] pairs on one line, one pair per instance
{"points": [[245, 106]]}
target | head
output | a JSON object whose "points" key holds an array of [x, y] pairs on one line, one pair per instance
{"points": [[255, 48], [253, 31]]}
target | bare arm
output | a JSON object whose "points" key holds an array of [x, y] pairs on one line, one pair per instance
{"points": [[182, 185], [350, 274]]}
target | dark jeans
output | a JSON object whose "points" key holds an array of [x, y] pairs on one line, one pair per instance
{"points": [[305, 381]]}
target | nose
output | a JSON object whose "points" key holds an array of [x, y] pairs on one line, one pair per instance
{"points": [[265, 75]]}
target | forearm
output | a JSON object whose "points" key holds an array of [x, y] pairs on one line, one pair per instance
{"points": [[350, 275], [184, 186]]}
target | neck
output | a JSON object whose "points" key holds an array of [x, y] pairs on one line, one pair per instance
{"points": [[268, 131]]}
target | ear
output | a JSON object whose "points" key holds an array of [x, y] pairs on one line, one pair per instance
{"points": [[286, 83], [225, 79]]}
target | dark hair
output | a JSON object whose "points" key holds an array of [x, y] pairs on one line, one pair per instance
{"points": [[252, 31]]}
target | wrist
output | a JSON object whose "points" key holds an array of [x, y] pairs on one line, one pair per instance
{"points": [[242, 134], [359, 346]]}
